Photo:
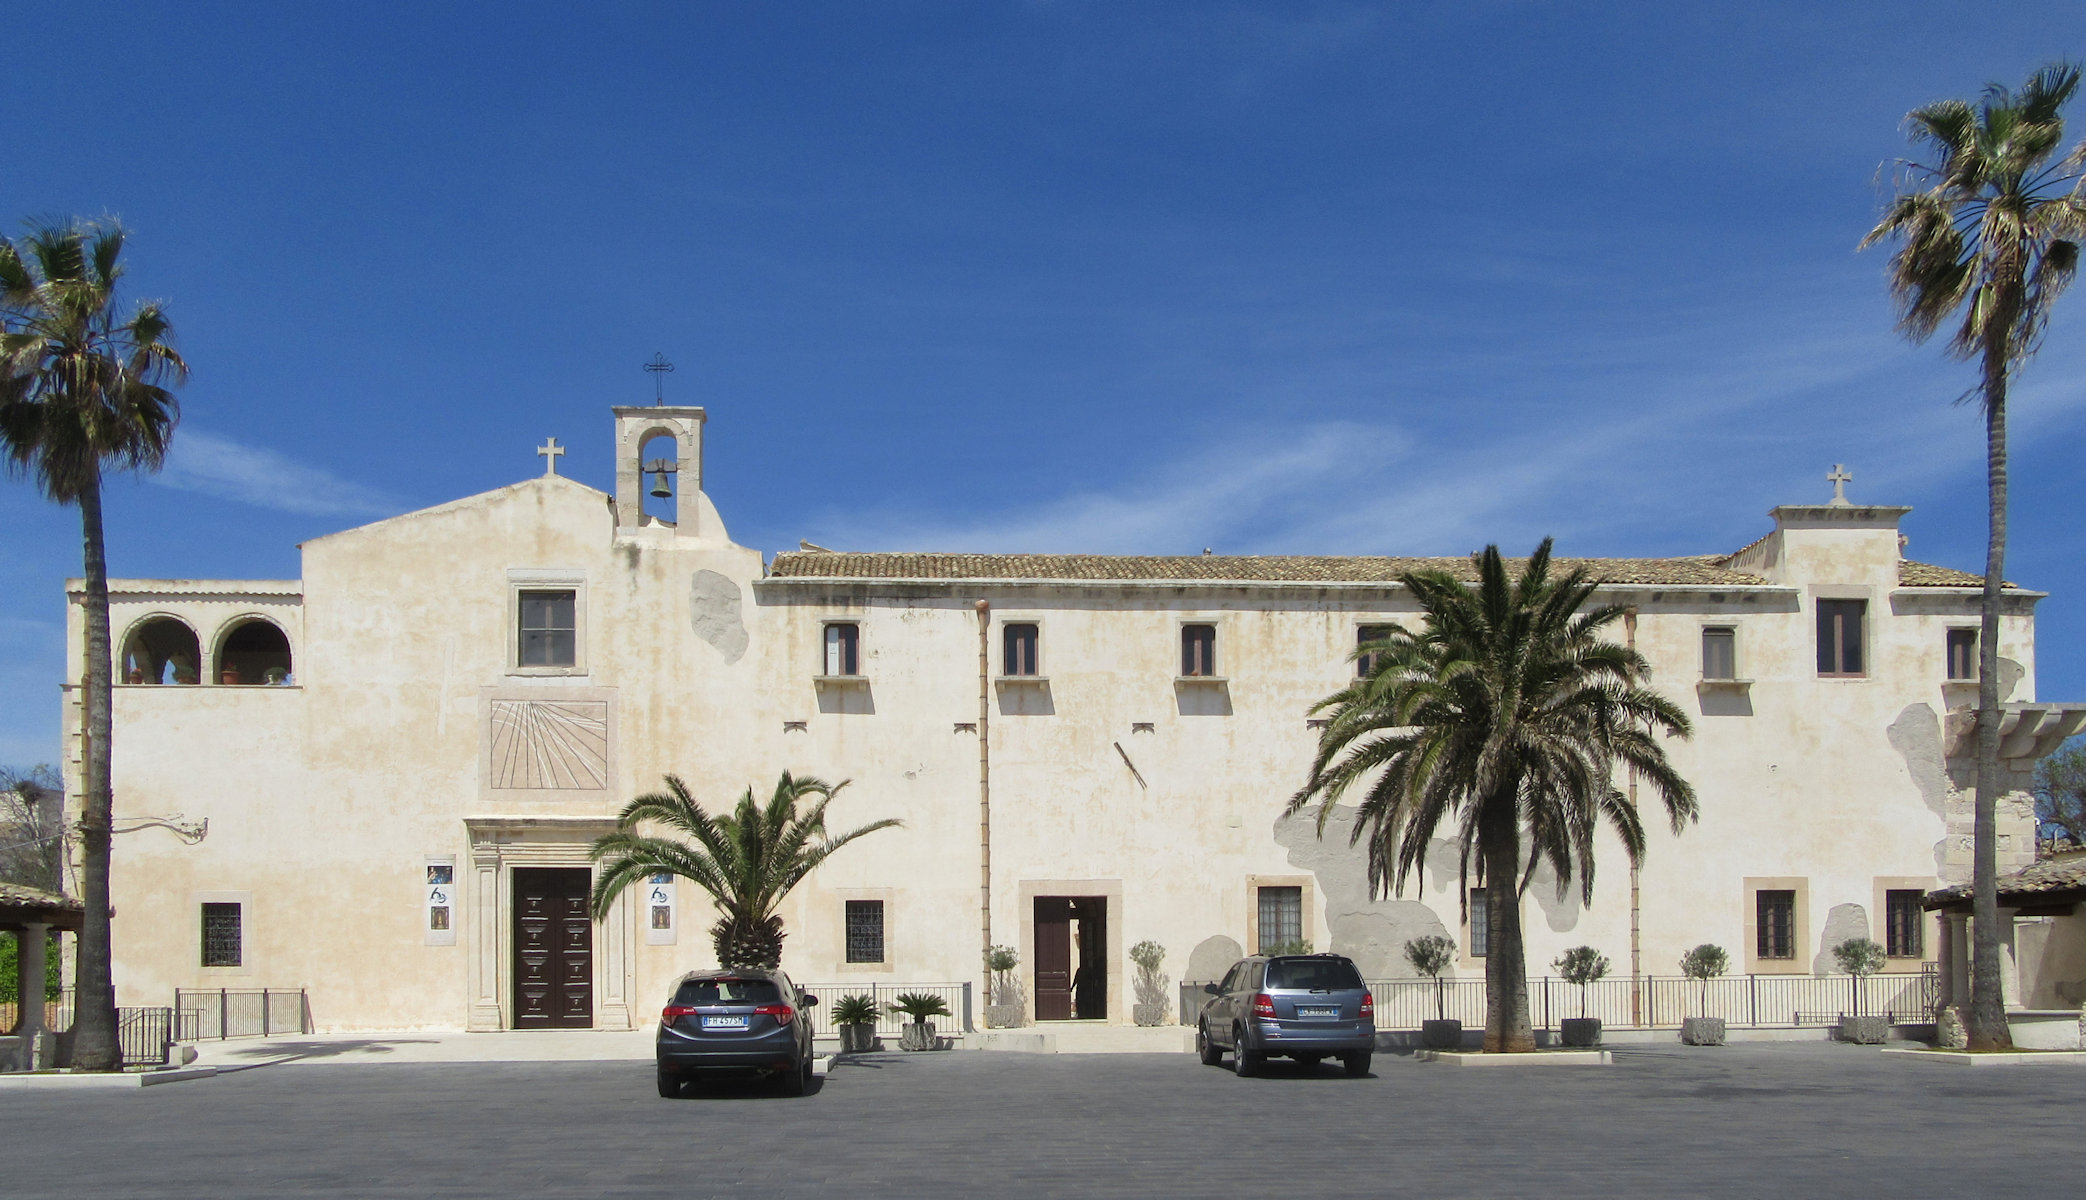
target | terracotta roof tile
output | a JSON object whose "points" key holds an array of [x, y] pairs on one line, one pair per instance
{"points": [[1919, 574], [1219, 568], [2048, 878]]}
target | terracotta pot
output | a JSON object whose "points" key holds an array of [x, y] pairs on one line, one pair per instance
{"points": [[228, 675]]}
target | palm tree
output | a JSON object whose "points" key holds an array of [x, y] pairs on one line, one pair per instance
{"points": [[1505, 716], [748, 861], [1989, 229], [84, 388]]}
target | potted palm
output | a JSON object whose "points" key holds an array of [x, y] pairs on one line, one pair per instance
{"points": [[1861, 958], [1702, 964], [1430, 956], [1150, 1008], [920, 1006], [1003, 1006], [856, 1016], [1581, 966]]}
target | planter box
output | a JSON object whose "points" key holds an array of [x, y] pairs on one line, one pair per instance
{"points": [[1865, 1031], [1579, 1031], [1702, 1031], [858, 1038], [1148, 1015], [1003, 1016], [1441, 1035], [919, 1035]]}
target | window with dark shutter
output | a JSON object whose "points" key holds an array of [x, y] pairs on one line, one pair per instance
{"points": [[1903, 924], [1962, 654], [1840, 636], [548, 632], [1198, 650], [1365, 665], [1775, 919], [1018, 650], [843, 646], [1719, 652]]}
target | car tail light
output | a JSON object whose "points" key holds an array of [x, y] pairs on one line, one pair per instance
{"points": [[1368, 1006], [782, 1013], [674, 1012], [1264, 1006]]}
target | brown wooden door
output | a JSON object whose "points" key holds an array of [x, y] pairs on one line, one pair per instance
{"points": [[553, 949], [1053, 958]]}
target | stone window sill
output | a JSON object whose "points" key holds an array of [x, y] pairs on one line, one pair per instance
{"points": [[838, 682]]}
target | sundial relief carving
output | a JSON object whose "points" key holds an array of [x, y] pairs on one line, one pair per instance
{"points": [[550, 744]]}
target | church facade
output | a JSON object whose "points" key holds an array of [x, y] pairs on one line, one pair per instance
{"points": [[403, 755]]}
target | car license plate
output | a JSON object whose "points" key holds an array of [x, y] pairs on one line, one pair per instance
{"points": [[724, 1022], [1317, 1012]]}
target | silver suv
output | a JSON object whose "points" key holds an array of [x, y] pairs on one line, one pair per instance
{"points": [[1309, 1007]]}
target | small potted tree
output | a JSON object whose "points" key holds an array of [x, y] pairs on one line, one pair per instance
{"points": [[1861, 958], [920, 1006], [1702, 964], [1003, 1006], [1150, 1007], [1430, 956], [856, 1016], [1581, 966]]}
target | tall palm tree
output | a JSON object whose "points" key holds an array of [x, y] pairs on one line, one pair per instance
{"points": [[1505, 716], [1990, 229], [84, 388], [747, 861]]}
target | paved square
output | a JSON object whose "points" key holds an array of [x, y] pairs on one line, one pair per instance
{"points": [[1786, 1121]]}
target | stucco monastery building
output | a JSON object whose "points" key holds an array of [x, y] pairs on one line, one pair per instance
{"points": [[403, 755]]}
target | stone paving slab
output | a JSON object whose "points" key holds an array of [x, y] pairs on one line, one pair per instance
{"points": [[1826, 1121]]}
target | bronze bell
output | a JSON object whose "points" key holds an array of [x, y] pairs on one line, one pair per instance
{"points": [[660, 487]]}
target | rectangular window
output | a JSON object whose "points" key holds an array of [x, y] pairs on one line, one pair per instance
{"points": [[1198, 650], [1962, 654], [1480, 922], [843, 645], [1018, 650], [221, 940], [865, 931], [1775, 924], [1366, 664], [548, 629], [1840, 636], [1281, 918], [1719, 652], [1903, 923]]}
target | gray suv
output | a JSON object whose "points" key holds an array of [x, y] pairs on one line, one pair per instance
{"points": [[735, 1021], [1309, 1007]]}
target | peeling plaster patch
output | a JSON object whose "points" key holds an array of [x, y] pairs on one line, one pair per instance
{"points": [[1211, 958], [1916, 736], [1843, 922], [2010, 675], [714, 601], [1941, 862], [1371, 932], [1562, 912]]}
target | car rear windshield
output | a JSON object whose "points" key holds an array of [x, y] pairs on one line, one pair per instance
{"points": [[727, 991], [1313, 975]]}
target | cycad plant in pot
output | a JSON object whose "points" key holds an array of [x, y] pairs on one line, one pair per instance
{"points": [[1581, 966], [920, 1006], [1702, 964], [1003, 1005], [1430, 956], [1150, 1008], [1861, 958], [856, 1016]]}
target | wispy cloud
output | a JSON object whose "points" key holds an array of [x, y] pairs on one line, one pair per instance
{"points": [[217, 466]]}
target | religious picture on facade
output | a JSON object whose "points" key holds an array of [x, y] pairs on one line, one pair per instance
{"points": [[438, 918], [441, 874]]}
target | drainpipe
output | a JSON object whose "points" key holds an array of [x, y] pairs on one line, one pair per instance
{"points": [[985, 789], [1629, 629]]}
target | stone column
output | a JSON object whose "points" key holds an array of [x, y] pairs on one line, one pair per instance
{"points": [[1957, 937], [486, 944], [2009, 964], [29, 975]]}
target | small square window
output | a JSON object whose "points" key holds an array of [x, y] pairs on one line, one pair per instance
{"points": [[222, 943], [549, 630], [1840, 636], [843, 648], [865, 931], [1020, 644], [1281, 919], [1198, 650], [1480, 922], [1775, 923], [1719, 652], [1365, 665], [1962, 654], [1903, 924]]}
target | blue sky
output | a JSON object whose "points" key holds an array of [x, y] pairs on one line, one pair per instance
{"points": [[1328, 278]]}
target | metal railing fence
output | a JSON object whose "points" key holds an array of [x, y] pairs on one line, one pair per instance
{"points": [[957, 996], [146, 1035], [222, 1013]]}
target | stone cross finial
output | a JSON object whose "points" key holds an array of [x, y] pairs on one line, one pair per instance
{"points": [[1839, 480], [550, 450]]}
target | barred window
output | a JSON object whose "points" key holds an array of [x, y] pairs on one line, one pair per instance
{"points": [[1281, 918], [1775, 920], [865, 931], [1480, 922], [1019, 650], [1903, 924], [221, 940], [548, 629]]}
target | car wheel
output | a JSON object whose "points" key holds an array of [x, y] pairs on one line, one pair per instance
{"points": [[793, 1079], [1211, 1052], [1245, 1063], [1357, 1064], [669, 1084]]}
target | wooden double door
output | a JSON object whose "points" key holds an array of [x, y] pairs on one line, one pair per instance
{"points": [[553, 948], [1071, 958]]}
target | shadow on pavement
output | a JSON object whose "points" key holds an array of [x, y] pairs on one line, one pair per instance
{"points": [[246, 1058]]}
